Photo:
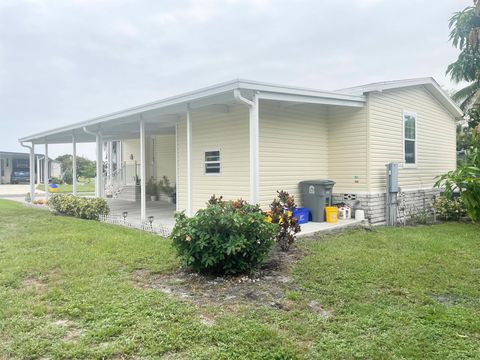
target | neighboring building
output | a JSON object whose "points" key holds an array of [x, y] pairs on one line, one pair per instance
{"points": [[249, 139], [15, 168]]}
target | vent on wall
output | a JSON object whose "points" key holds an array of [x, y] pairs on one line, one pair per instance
{"points": [[349, 196]]}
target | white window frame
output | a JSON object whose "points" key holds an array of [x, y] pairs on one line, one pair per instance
{"points": [[212, 162], [413, 114]]}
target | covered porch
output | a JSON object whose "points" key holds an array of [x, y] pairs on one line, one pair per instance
{"points": [[160, 215], [206, 130]]}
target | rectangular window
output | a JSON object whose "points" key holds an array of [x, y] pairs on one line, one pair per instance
{"points": [[212, 162], [410, 137]]}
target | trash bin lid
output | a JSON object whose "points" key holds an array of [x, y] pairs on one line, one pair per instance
{"points": [[318, 182]]}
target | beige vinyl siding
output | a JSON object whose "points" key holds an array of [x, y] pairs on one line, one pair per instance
{"points": [[293, 147], [165, 157], [435, 133], [227, 132], [347, 149], [131, 147]]}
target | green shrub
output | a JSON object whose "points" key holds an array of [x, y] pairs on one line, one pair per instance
{"points": [[151, 187], [281, 210], [81, 207], [449, 208], [67, 177], [224, 238], [55, 180], [465, 179]]}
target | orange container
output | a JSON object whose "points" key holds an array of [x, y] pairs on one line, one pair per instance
{"points": [[331, 214]]}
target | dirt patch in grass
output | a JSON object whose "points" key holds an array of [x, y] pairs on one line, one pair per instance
{"points": [[72, 331], [34, 283], [269, 286]]}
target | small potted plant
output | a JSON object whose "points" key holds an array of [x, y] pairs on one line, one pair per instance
{"points": [[165, 188], [151, 189]]}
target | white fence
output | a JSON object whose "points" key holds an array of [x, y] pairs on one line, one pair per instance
{"points": [[146, 226]]}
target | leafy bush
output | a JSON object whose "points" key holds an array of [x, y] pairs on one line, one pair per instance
{"points": [[280, 213], [165, 187], [449, 209], [466, 178], [81, 207], [151, 187], [227, 237], [67, 177], [55, 180]]}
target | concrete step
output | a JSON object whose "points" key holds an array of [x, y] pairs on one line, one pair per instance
{"points": [[129, 193]]}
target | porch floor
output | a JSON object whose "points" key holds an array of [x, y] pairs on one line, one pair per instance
{"points": [[163, 216], [161, 211], [314, 228]]}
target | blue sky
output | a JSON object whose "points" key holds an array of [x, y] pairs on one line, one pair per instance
{"points": [[67, 61]]}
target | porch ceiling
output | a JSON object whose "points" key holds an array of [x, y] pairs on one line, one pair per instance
{"points": [[161, 116]]}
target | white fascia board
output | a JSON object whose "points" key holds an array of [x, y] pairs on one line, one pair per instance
{"points": [[430, 84], [202, 97], [385, 85], [174, 100], [358, 102], [280, 89]]}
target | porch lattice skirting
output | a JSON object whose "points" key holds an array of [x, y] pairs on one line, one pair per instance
{"points": [[146, 226]]}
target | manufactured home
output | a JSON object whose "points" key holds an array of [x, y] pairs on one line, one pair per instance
{"points": [[15, 168], [247, 139]]}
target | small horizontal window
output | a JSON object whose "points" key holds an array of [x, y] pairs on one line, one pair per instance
{"points": [[212, 162]]}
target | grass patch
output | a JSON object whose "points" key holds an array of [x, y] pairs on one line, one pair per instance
{"points": [[84, 186], [66, 291]]}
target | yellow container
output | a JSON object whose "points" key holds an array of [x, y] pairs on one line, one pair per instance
{"points": [[331, 214]]}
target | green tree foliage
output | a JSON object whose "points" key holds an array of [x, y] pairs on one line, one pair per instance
{"points": [[466, 178], [465, 36], [85, 168]]}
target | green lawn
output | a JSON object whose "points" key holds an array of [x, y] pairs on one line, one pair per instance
{"points": [[66, 291], [88, 187]]}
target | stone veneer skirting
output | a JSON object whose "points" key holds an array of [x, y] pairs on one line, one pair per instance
{"points": [[410, 202]]}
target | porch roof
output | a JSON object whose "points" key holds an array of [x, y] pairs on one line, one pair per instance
{"points": [[160, 116]]}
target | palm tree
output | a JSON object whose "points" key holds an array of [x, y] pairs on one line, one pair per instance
{"points": [[465, 36]]}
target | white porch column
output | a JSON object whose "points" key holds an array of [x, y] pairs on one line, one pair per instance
{"points": [[176, 165], [143, 195], [45, 171], [99, 179], [110, 164], [189, 163], [31, 168], [254, 151], [74, 165], [38, 169], [32, 172]]}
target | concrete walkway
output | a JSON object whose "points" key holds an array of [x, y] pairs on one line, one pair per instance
{"points": [[161, 211], [312, 229]]}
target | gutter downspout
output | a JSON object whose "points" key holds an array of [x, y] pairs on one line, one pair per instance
{"points": [[98, 179], [32, 169], [253, 106]]}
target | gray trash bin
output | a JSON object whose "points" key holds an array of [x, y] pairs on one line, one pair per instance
{"points": [[317, 194]]}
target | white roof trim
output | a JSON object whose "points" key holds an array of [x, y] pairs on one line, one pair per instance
{"points": [[184, 99], [431, 85]]}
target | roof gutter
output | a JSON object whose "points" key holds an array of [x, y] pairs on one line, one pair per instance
{"points": [[238, 96]]}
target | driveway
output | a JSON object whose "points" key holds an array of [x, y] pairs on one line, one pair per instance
{"points": [[13, 190]]}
